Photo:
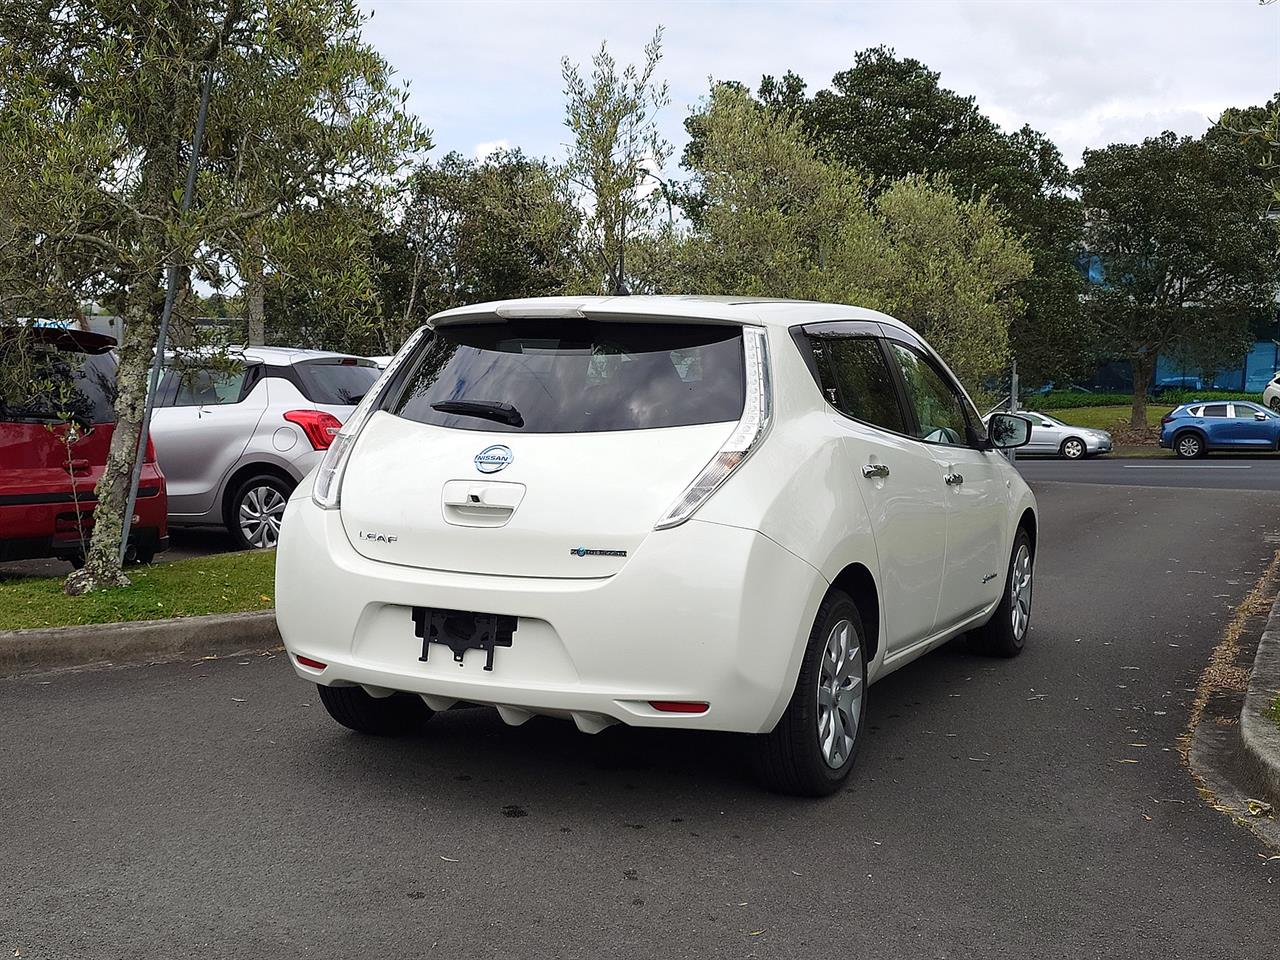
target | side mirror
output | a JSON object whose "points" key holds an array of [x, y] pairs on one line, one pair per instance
{"points": [[1259, 415], [1008, 430]]}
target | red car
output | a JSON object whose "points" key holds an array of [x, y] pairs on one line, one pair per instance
{"points": [[49, 467]]}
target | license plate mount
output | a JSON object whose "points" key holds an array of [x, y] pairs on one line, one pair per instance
{"points": [[462, 630]]}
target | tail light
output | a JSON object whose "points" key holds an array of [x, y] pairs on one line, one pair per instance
{"points": [[1166, 419], [746, 436], [320, 427], [327, 489]]}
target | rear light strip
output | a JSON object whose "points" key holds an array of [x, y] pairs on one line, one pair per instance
{"points": [[756, 415], [326, 491]]}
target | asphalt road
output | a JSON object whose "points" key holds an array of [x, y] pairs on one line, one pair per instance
{"points": [[211, 809], [1220, 473]]}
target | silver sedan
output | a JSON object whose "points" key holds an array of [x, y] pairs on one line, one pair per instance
{"points": [[1050, 435]]}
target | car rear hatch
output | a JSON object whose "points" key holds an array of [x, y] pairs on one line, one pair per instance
{"points": [[540, 447]]}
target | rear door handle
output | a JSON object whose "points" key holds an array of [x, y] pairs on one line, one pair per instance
{"points": [[873, 471], [953, 479], [78, 466]]}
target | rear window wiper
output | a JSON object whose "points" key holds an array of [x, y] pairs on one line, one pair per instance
{"points": [[484, 409]]}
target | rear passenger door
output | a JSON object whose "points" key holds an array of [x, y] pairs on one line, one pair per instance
{"points": [[1046, 436], [896, 476], [204, 424], [1216, 420]]}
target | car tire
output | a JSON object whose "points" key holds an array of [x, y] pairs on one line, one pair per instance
{"points": [[1188, 445], [393, 716], [1274, 404], [1005, 634], [811, 750], [255, 510], [1073, 448]]}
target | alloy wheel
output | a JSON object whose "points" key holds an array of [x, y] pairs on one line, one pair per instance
{"points": [[1189, 447], [840, 694], [1073, 449], [261, 510], [1020, 592], [1275, 404]]}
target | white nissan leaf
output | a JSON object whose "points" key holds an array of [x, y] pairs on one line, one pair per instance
{"points": [[712, 513]]}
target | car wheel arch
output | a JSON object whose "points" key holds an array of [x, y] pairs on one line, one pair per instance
{"points": [[858, 582], [1029, 523], [242, 473]]}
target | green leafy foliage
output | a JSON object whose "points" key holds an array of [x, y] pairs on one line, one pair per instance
{"points": [[779, 219], [889, 118], [1190, 255], [98, 102], [473, 231], [613, 157]]}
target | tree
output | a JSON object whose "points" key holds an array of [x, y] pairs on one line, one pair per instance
{"points": [[780, 220], [1257, 131], [616, 148], [1189, 254], [477, 230], [891, 118], [97, 105]]}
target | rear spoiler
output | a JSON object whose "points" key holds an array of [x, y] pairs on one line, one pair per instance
{"points": [[60, 338]]}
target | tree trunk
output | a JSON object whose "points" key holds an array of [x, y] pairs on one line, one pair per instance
{"points": [[137, 346], [254, 309], [1144, 365]]}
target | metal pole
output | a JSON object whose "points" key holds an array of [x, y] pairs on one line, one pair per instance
{"points": [[1013, 403], [157, 362]]}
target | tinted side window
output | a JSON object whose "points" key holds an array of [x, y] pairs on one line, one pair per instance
{"points": [[940, 416], [857, 380], [336, 381], [200, 387], [1215, 410], [1245, 413]]}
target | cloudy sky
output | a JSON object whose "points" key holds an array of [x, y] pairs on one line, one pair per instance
{"points": [[1088, 73]]}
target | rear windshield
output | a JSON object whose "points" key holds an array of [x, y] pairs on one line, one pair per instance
{"points": [[67, 386], [341, 382], [536, 376]]}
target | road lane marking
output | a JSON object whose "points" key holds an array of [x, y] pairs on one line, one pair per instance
{"points": [[1187, 466]]}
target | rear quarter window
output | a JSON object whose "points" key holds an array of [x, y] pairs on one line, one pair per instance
{"points": [[536, 376], [340, 381]]}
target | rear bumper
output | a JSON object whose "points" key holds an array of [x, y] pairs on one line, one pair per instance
{"points": [[702, 612], [58, 524]]}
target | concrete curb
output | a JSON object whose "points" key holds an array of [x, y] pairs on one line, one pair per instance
{"points": [[26, 651], [1259, 732]]}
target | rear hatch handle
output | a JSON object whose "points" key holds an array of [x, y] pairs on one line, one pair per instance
{"points": [[476, 503]]}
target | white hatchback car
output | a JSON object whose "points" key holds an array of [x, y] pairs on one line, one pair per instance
{"points": [[721, 514]]}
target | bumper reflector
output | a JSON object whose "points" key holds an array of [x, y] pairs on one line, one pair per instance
{"points": [[308, 662], [679, 706]]}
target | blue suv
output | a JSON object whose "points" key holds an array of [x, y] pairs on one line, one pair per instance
{"points": [[1194, 429]]}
